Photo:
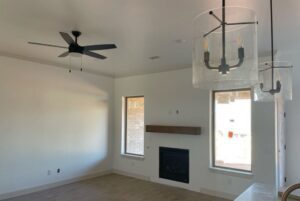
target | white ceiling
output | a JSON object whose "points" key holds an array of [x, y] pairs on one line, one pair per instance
{"points": [[140, 29]]}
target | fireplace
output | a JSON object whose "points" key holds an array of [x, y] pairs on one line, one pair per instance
{"points": [[174, 164]]}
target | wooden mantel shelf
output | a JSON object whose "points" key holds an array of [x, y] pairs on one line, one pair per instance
{"points": [[186, 130]]}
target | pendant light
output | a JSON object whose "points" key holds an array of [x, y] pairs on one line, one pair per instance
{"points": [[275, 77], [225, 48]]}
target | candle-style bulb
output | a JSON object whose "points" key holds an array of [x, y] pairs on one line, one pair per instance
{"points": [[205, 45], [239, 41]]}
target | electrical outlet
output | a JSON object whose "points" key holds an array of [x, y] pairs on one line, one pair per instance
{"points": [[49, 172]]}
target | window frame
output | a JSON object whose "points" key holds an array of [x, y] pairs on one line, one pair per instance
{"points": [[213, 150], [125, 125]]}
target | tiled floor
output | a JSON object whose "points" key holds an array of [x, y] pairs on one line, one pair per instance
{"points": [[115, 188]]}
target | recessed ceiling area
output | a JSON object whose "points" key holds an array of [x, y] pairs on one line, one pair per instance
{"points": [[140, 28]]}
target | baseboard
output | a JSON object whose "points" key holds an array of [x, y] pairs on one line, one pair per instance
{"points": [[53, 185], [137, 176]]}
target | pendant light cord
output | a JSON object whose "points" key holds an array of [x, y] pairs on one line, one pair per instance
{"points": [[272, 43], [223, 30]]}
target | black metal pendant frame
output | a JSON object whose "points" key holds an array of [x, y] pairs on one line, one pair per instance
{"points": [[224, 68], [274, 90]]}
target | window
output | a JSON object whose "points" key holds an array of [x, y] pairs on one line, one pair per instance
{"points": [[231, 128], [134, 126]]}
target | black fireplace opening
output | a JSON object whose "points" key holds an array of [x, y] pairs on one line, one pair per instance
{"points": [[174, 164]]}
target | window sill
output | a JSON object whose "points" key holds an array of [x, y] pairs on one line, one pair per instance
{"points": [[131, 156], [232, 172]]}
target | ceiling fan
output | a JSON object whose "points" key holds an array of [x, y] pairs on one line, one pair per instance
{"points": [[75, 49]]}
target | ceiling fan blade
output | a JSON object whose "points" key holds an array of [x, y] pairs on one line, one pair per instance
{"points": [[100, 47], [44, 44], [64, 54], [67, 38], [93, 54]]}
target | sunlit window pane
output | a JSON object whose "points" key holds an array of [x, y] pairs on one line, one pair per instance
{"points": [[232, 129], [134, 136]]}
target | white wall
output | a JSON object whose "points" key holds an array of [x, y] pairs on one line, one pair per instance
{"points": [[287, 43], [51, 119], [164, 94], [293, 125]]}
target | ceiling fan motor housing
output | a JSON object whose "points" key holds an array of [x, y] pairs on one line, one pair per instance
{"points": [[76, 48]]}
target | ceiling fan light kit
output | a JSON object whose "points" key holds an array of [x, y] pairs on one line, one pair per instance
{"points": [[225, 48], [275, 77]]}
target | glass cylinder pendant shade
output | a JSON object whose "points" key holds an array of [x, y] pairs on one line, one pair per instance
{"points": [[282, 81], [225, 49]]}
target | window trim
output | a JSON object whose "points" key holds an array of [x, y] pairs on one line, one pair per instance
{"points": [[125, 127], [213, 161]]}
